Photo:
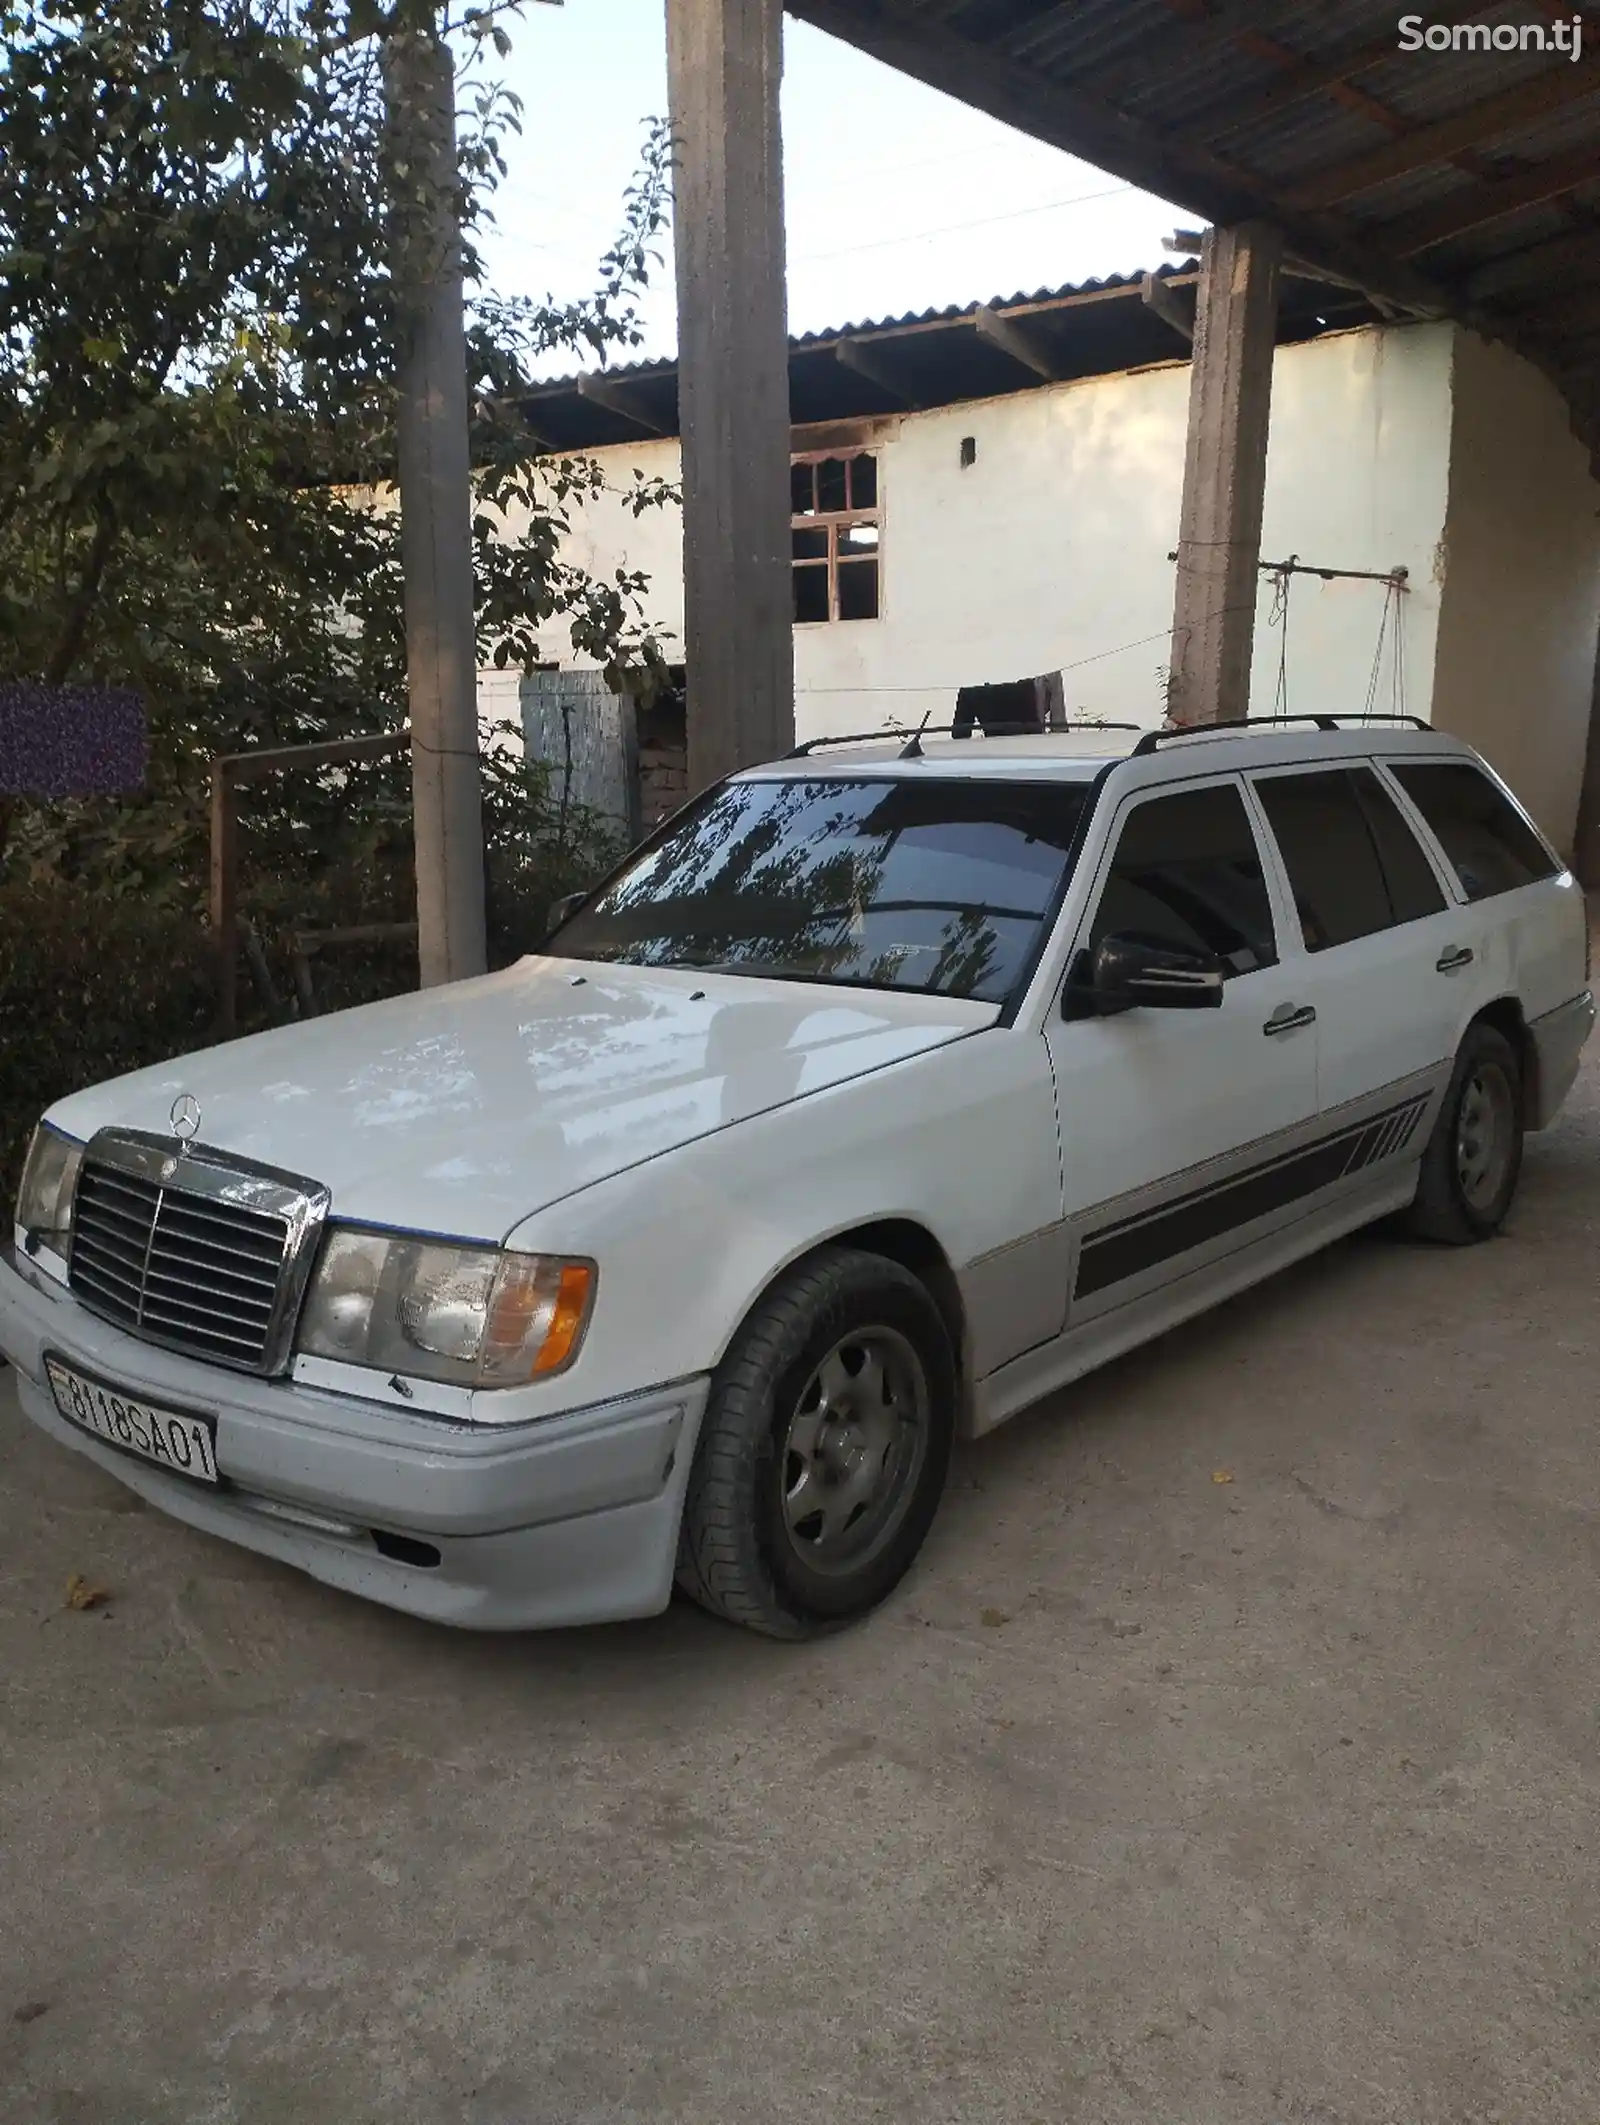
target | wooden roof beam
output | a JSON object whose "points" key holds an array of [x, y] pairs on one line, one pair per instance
{"points": [[1417, 149], [1501, 277], [1197, 25], [1345, 92], [1477, 204], [1015, 341], [867, 361], [1310, 77], [517, 408], [623, 400], [1032, 37], [1159, 298]]}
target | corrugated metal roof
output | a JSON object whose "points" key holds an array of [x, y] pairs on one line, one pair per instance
{"points": [[936, 357], [830, 333], [856, 328], [1307, 112]]}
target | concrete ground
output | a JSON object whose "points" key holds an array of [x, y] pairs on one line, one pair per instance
{"points": [[1153, 1798]]}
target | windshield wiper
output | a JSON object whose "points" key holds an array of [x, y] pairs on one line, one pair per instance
{"points": [[776, 970]]}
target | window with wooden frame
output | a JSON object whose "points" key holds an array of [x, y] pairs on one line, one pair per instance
{"points": [[836, 529]]}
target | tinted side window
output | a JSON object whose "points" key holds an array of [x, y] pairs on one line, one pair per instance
{"points": [[1340, 890], [1414, 889], [1491, 846], [1187, 873]]}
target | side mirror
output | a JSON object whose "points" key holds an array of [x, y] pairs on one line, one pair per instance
{"points": [[1128, 972], [563, 910]]}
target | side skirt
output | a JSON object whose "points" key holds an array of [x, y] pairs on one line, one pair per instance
{"points": [[1055, 1365]]}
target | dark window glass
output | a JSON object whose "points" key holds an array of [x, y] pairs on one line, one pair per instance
{"points": [[1414, 889], [1491, 846], [858, 589], [895, 884], [831, 489], [1187, 873], [1340, 891], [864, 482], [810, 545], [811, 593], [802, 493]]}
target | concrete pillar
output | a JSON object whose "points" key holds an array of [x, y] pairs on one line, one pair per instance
{"points": [[436, 516], [1586, 827], [1224, 474], [724, 60]]}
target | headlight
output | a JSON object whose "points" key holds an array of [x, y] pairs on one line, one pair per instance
{"points": [[476, 1316], [44, 1206]]}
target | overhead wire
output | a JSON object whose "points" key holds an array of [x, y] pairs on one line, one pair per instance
{"points": [[955, 228]]}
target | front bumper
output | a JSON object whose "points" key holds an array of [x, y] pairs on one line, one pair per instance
{"points": [[573, 1519]]}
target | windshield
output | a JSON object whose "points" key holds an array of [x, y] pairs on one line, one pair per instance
{"points": [[936, 885]]}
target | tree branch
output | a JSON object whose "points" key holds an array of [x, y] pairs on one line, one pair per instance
{"points": [[69, 643]]}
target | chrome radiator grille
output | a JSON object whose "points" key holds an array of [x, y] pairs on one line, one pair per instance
{"points": [[199, 1253]]}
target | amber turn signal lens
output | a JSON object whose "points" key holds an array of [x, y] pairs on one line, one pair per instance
{"points": [[536, 1318], [567, 1319]]}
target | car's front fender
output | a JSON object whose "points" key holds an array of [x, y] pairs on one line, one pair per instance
{"points": [[961, 1142]]}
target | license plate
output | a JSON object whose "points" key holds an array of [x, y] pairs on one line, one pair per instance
{"points": [[186, 1445]]}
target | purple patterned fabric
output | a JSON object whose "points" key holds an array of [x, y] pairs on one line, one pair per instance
{"points": [[70, 741]]}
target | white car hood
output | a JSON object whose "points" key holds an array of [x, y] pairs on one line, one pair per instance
{"points": [[464, 1109]]}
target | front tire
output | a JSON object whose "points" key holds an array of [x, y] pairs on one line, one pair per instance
{"points": [[824, 1450], [1473, 1158]]}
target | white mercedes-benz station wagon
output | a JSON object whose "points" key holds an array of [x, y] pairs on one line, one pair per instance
{"points": [[886, 1089]]}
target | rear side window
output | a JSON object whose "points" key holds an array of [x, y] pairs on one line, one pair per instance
{"points": [[1490, 845], [1187, 873], [1354, 865], [1414, 888]]}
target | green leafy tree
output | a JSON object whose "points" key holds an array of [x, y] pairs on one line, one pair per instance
{"points": [[198, 353]]}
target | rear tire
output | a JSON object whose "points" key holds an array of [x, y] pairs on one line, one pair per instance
{"points": [[824, 1450], [1473, 1158]]}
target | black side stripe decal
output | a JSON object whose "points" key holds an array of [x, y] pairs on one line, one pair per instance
{"points": [[1134, 1244]]}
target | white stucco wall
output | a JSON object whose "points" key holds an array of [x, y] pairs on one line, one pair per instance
{"points": [[1521, 582], [1050, 551], [1358, 459]]}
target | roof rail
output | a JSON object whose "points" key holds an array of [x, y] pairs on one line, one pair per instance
{"points": [[807, 746], [1154, 739]]}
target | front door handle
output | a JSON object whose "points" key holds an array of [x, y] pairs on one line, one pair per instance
{"points": [[1455, 959], [1289, 1018]]}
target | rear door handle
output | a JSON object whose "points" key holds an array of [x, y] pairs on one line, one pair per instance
{"points": [[1289, 1018], [1455, 959]]}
